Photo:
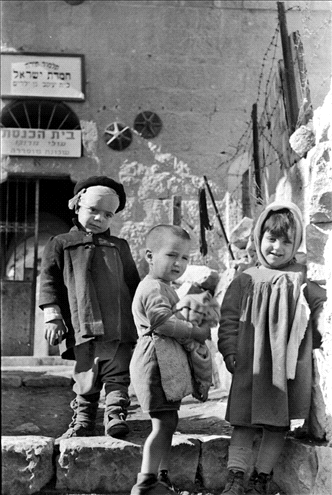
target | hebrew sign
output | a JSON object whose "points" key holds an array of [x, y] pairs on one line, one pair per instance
{"points": [[49, 76], [40, 142]]}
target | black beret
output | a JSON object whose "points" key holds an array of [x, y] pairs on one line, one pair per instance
{"points": [[102, 180]]}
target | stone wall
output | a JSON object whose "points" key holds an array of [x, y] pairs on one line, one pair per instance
{"points": [[195, 63], [309, 184]]}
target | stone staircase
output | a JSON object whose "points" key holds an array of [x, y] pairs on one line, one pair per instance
{"points": [[36, 464]]}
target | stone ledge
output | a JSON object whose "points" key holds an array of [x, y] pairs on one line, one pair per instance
{"points": [[107, 465], [36, 376], [27, 361]]}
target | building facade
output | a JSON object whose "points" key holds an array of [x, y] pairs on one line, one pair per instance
{"points": [[156, 94]]}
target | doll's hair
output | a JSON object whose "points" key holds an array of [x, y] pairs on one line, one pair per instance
{"points": [[280, 223], [155, 236]]}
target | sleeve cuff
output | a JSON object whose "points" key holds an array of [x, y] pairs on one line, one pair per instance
{"points": [[52, 313]]}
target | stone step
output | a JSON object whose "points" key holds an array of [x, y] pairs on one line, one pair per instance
{"points": [[97, 465], [33, 464], [105, 464]]}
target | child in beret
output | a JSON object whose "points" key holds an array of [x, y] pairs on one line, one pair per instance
{"points": [[88, 280]]}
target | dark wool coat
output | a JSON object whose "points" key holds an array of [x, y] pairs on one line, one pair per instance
{"points": [[92, 278], [256, 318]]}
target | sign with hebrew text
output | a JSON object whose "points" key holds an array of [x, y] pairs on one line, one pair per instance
{"points": [[40, 142], [32, 75]]}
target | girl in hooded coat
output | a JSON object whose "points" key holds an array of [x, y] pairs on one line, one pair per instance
{"points": [[269, 316]]}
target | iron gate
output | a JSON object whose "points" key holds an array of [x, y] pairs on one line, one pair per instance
{"points": [[19, 226]]}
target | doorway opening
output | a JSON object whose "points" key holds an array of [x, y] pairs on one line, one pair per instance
{"points": [[32, 210]]}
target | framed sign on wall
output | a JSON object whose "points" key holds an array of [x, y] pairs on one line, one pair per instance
{"points": [[38, 75]]}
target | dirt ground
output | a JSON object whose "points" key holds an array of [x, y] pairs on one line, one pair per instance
{"points": [[46, 412]]}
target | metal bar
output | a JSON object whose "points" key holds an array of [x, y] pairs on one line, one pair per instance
{"points": [[219, 219], [14, 118], [39, 115], [64, 120], [25, 226], [26, 114], [16, 230], [256, 153], [6, 226], [51, 118], [176, 210], [291, 96], [35, 266]]}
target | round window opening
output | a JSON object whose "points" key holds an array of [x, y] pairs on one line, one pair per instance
{"points": [[118, 136], [148, 124]]}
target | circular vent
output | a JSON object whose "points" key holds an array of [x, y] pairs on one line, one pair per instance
{"points": [[148, 124], [118, 136], [39, 114]]}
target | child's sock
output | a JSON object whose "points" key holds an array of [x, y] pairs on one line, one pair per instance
{"points": [[238, 458], [270, 449]]}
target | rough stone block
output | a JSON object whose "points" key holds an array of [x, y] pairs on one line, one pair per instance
{"points": [[46, 381], [11, 381], [297, 468], [303, 139], [320, 413], [320, 207], [322, 120], [97, 465], [316, 238], [241, 232], [213, 461], [323, 481], [304, 468], [26, 464], [184, 461]]}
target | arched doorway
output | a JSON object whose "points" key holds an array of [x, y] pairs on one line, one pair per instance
{"points": [[32, 210]]}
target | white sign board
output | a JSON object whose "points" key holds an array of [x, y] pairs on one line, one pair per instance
{"points": [[40, 142], [43, 76]]}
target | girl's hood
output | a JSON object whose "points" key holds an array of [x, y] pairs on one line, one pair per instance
{"points": [[276, 205]]}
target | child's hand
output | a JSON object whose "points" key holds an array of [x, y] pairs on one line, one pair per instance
{"points": [[230, 363], [54, 331], [201, 333]]}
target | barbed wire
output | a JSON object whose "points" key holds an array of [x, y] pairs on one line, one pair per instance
{"points": [[274, 147]]}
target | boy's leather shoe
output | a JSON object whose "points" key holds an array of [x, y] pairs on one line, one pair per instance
{"points": [[78, 430], [259, 484], [116, 426], [235, 483]]}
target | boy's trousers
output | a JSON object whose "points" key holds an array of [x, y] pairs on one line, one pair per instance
{"points": [[109, 368]]}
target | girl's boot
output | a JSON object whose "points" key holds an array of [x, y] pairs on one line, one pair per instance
{"points": [[163, 478], [235, 483], [259, 484]]}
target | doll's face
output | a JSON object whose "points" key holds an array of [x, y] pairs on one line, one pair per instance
{"points": [[94, 214], [277, 251]]}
